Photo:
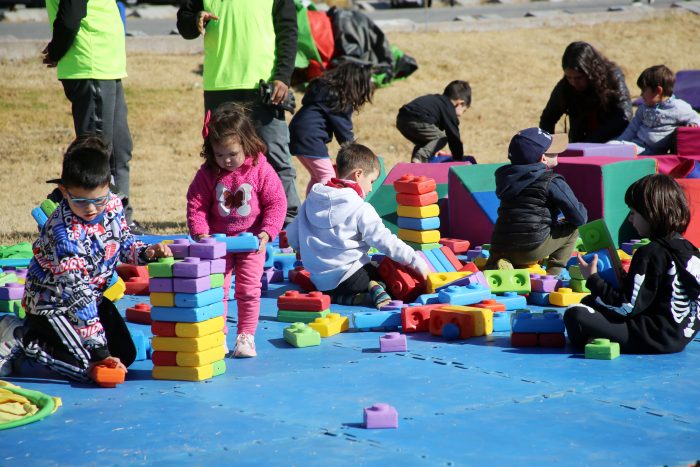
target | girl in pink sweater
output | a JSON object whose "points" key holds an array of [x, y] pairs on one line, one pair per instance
{"points": [[236, 190]]}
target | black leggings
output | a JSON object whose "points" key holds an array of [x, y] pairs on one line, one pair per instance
{"points": [[358, 282], [584, 323]]}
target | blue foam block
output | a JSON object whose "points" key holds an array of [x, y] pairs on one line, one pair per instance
{"points": [[545, 322], [501, 321], [39, 216], [244, 242], [194, 300], [511, 300], [187, 315], [141, 344], [538, 298], [464, 295], [428, 223], [428, 299], [488, 202], [444, 262], [376, 319]]}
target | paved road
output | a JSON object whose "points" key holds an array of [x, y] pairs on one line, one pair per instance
{"points": [[153, 27]]}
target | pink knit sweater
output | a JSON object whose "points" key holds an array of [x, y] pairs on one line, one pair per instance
{"points": [[249, 199]]}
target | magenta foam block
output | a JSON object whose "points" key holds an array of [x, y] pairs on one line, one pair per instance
{"points": [[381, 415], [160, 284], [208, 248], [12, 291], [393, 342], [180, 248], [191, 285], [191, 267]]}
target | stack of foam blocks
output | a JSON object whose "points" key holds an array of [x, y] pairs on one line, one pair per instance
{"points": [[188, 312], [11, 292], [418, 212]]}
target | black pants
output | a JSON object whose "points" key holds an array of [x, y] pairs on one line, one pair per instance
{"points": [[99, 108], [584, 323], [358, 282], [52, 342]]}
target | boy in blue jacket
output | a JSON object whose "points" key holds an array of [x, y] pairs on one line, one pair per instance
{"points": [[532, 196]]}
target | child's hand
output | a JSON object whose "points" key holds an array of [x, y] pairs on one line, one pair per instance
{"points": [[203, 18], [46, 60], [112, 362], [264, 238], [159, 250], [279, 92], [587, 269]]}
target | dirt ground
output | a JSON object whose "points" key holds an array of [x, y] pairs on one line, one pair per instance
{"points": [[511, 74]]}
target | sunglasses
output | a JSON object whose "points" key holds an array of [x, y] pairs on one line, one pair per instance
{"points": [[85, 202]]}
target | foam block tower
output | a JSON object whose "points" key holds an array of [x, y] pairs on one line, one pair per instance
{"points": [[419, 214]]}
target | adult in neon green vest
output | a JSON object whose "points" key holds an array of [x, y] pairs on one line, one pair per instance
{"points": [[88, 50], [246, 41]]}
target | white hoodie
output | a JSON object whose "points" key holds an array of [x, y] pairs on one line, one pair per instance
{"points": [[334, 230]]}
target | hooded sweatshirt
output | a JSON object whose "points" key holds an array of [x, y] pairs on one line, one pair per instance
{"points": [[315, 124], [659, 296], [333, 232], [531, 198]]}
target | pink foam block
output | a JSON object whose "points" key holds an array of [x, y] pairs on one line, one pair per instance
{"points": [[12, 291], [160, 284], [180, 248], [467, 219], [381, 415], [208, 248], [194, 285], [191, 267], [393, 342]]}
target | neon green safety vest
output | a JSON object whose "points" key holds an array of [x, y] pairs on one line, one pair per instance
{"points": [[239, 48], [99, 49]]}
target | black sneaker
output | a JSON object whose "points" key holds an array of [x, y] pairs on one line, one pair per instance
{"points": [[138, 229]]}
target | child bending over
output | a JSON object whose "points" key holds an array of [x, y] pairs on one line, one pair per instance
{"points": [[70, 325], [532, 196], [336, 227], [430, 122], [236, 190], [327, 110], [657, 308], [652, 127]]}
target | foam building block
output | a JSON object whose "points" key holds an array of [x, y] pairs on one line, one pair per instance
{"points": [[483, 318], [39, 216], [546, 322], [196, 373], [511, 300], [183, 329], [439, 279], [188, 359], [300, 335], [416, 185], [428, 298], [501, 322], [402, 282], [199, 299], [302, 278], [471, 278], [442, 320], [533, 339], [244, 242], [417, 318], [691, 188], [162, 299], [464, 295], [600, 184], [140, 343], [292, 316], [422, 246], [187, 315], [294, 300], [418, 212], [107, 377], [115, 291], [188, 344], [490, 304], [578, 285], [191, 267], [180, 248], [546, 283], [161, 268], [380, 415], [139, 313], [208, 248], [599, 149], [393, 342], [602, 349], [135, 278], [538, 298], [12, 291], [285, 262], [514, 280], [425, 199], [419, 236], [412, 223], [191, 285], [393, 305], [456, 245], [330, 325], [565, 297], [367, 320]]}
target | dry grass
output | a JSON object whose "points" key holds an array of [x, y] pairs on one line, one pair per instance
{"points": [[511, 74]]}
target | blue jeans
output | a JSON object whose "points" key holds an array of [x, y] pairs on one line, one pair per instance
{"points": [[272, 128]]}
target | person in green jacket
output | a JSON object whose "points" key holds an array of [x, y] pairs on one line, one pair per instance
{"points": [[88, 50], [246, 42]]}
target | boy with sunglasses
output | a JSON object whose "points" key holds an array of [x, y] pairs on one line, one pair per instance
{"points": [[70, 325]]}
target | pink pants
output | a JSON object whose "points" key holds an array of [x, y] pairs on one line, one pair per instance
{"points": [[320, 168], [248, 268]]}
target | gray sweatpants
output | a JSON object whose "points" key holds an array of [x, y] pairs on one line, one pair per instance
{"points": [[99, 108], [427, 138]]}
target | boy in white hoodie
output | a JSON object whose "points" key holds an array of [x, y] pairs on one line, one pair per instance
{"points": [[335, 228]]}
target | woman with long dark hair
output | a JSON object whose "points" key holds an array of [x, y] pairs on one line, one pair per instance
{"points": [[592, 93]]}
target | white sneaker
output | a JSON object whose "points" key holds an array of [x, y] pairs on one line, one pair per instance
{"points": [[10, 345], [245, 346]]}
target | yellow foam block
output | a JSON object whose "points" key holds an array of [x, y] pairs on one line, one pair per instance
{"points": [[163, 299], [438, 279], [200, 358], [189, 373], [565, 297], [116, 291], [536, 269], [330, 325], [201, 329], [623, 255], [480, 262], [189, 344], [483, 318], [419, 212], [420, 236]]}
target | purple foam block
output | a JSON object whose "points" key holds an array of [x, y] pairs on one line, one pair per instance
{"points": [[393, 305], [474, 253], [392, 342], [217, 266], [381, 415], [195, 285], [191, 267], [208, 248], [180, 248], [273, 275], [12, 291], [546, 283], [160, 284]]}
